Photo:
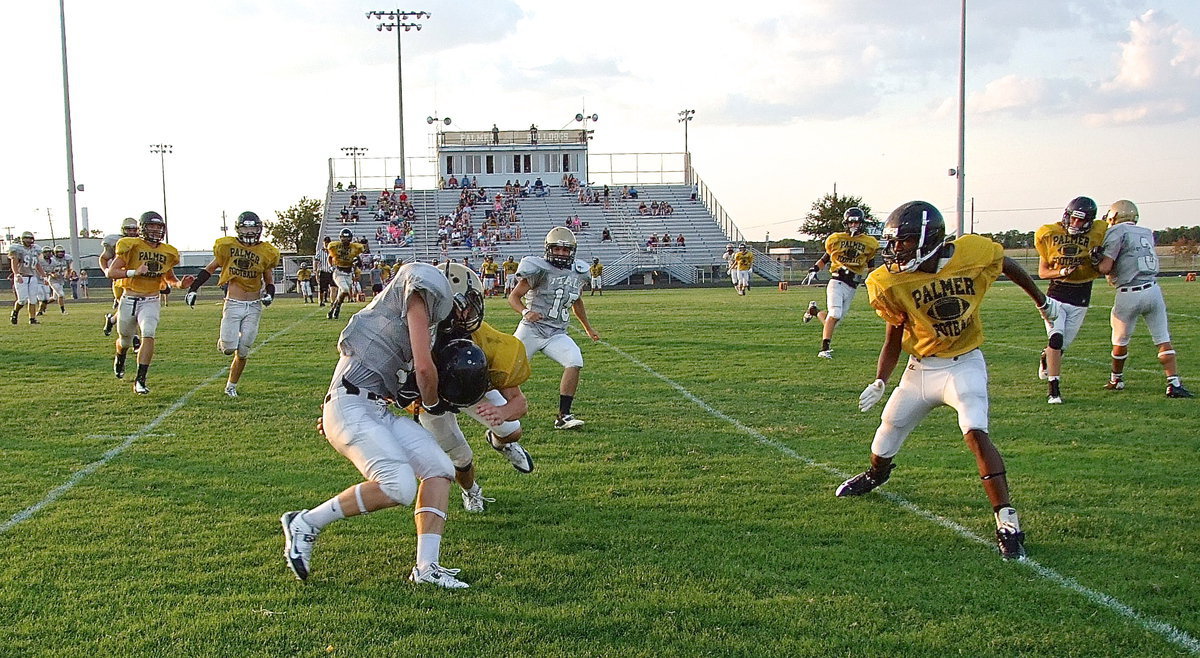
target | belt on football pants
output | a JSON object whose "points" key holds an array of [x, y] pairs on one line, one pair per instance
{"points": [[354, 390], [951, 358], [1135, 288]]}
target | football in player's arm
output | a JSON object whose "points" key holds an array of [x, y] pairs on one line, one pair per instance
{"points": [[144, 263], [929, 293], [247, 266]]}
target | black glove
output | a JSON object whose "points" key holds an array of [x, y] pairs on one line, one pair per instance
{"points": [[814, 269], [440, 407], [1097, 255]]}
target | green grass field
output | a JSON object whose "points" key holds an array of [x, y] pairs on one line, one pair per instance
{"points": [[693, 514]]}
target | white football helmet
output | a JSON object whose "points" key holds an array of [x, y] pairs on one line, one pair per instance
{"points": [[560, 236], [467, 290], [1120, 212]]}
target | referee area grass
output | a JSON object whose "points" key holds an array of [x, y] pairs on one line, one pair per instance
{"points": [[658, 529]]}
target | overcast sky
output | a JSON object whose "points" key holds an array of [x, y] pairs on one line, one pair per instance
{"points": [[1098, 98]]}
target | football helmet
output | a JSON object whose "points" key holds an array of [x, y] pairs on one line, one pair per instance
{"points": [[467, 290], [27, 239], [249, 228], [47, 250], [462, 372], [59, 251], [742, 247], [560, 236], [346, 236], [853, 220], [1080, 207], [152, 227], [129, 227], [1120, 212], [921, 229]]}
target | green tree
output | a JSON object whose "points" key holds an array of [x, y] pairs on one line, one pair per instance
{"points": [[826, 215], [298, 228], [94, 233]]}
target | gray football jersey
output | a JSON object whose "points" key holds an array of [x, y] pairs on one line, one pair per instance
{"points": [[376, 352], [108, 246], [1132, 249], [27, 259], [552, 291], [58, 267]]}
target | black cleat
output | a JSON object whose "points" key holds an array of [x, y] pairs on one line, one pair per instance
{"points": [[109, 321], [1178, 391], [1011, 544], [13, 317], [34, 321], [864, 482], [119, 366], [137, 344]]}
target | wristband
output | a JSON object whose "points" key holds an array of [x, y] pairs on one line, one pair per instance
{"points": [[129, 274], [1062, 272], [525, 311]]}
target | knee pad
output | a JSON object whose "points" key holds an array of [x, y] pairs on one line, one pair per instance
{"points": [[225, 349], [1056, 341], [461, 457], [243, 351], [397, 484], [125, 342]]}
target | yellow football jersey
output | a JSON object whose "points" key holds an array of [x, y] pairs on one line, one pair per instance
{"points": [[244, 265], [940, 311], [345, 255], [596, 270], [510, 267], [743, 260], [489, 269], [158, 260], [1061, 249], [304, 274], [852, 252], [386, 272], [507, 364]]}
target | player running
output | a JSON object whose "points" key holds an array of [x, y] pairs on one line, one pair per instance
{"points": [[27, 275], [343, 257], [61, 269], [108, 249], [850, 255]]}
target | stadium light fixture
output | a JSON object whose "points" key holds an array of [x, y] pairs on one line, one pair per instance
{"points": [[161, 150], [354, 152], [401, 22], [685, 117]]}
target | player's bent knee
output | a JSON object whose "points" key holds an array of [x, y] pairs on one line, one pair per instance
{"points": [[397, 484], [243, 351], [1056, 341], [461, 456]]}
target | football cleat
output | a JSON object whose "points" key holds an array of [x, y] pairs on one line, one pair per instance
{"points": [[109, 321], [811, 312], [330, 313], [34, 320], [1115, 385], [1054, 396], [825, 354], [473, 499], [13, 317], [119, 366], [513, 452], [139, 387], [436, 574], [864, 482], [1178, 391], [337, 311], [1042, 367], [137, 343], [41, 311], [567, 422], [1011, 544], [64, 311], [298, 538], [1054, 399], [231, 390]]}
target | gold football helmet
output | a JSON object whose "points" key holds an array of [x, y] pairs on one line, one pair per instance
{"points": [[1120, 212], [560, 236]]}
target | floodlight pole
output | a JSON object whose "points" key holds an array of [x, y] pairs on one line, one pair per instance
{"points": [[399, 22], [962, 117], [685, 117], [72, 227], [354, 152], [161, 150]]}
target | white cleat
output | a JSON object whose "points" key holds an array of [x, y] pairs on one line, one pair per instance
{"points": [[231, 390], [139, 387], [436, 574], [825, 354], [298, 538], [1054, 399], [1042, 367], [513, 452], [567, 422], [473, 499]]}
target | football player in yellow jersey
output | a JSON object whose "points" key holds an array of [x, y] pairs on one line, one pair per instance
{"points": [[343, 256], [596, 271], [304, 282], [143, 263], [510, 274], [929, 294], [742, 263], [108, 249], [502, 406], [850, 255], [489, 270], [1068, 253], [247, 266]]}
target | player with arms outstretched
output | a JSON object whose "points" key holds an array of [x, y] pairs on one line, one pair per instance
{"points": [[929, 294], [247, 266], [850, 254], [551, 284]]}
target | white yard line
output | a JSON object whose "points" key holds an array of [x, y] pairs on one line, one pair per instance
{"points": [[1167, 631], [147, 429]]}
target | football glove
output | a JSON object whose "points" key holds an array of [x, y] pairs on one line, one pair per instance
{"points": [[439, 408], [871, 395], [1050, 309], [814, 269], [190, 298], [266, 300], [1097, 255]]}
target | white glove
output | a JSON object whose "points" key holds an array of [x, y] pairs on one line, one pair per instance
{"points": [[1051, 309], [190, 299], [266, 299], [871, 395]]}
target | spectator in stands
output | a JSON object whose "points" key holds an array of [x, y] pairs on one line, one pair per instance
{"points": [[352, 187], [605, 235], [652, 242], [495, 134], [441, 182], [533, 133], [539, 188], [679, 241], [633, 193], [398, 184], [642, 209], [453, 183], [345, 214], [338, 186]]}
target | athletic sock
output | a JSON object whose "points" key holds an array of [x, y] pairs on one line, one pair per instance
{"points": [[429, 548], [564, 404], [324, 514], [825, 344], [142, 369], [1174, 380]]}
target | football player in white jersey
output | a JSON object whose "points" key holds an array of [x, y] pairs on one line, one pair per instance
{"points": [[1131, 265], [27, 275], [62, 266], [548, 289], [382, 348], [108, 249]]}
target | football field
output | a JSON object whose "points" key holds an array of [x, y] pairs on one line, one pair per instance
{"points": [[693, 515]]}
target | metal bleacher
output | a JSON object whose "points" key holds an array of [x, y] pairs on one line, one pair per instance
{"points": [[625, 256]]}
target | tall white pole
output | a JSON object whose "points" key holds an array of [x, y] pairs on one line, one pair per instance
{"points": [[72, 223], [400, 88], [962, 116]]}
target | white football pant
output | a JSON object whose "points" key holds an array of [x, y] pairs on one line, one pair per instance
{"points": [[928, 383], [1068, 322], [239, 326], [558, 347], [1129, 306], [137, 314], [838, 296]]}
